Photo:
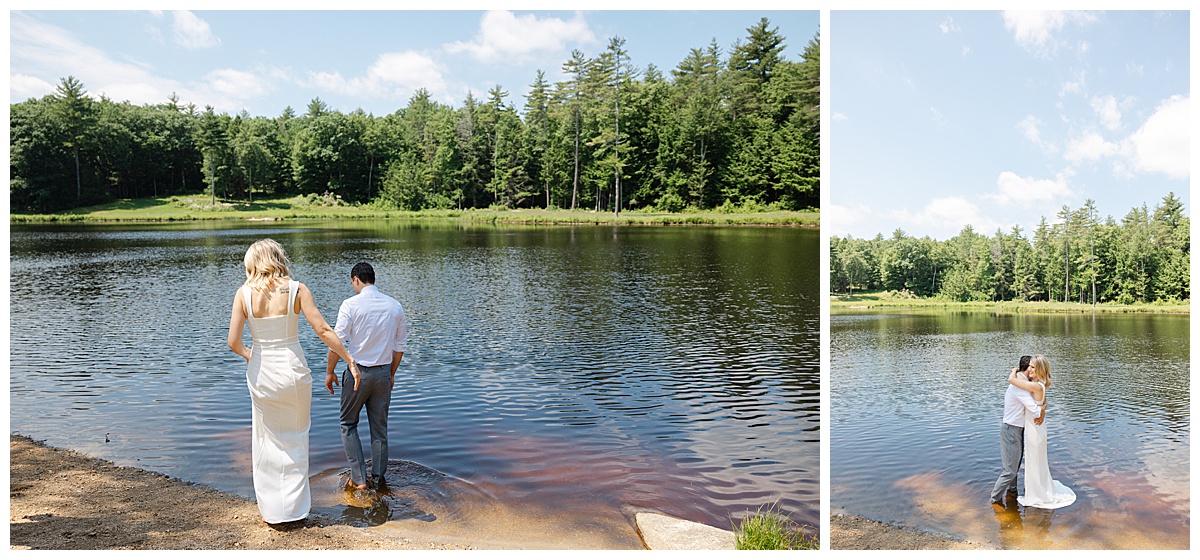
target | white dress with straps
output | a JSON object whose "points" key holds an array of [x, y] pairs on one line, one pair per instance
{"points": [[281, 395], [1041, 491]]}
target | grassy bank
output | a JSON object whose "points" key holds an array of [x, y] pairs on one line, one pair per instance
{"points": [[198, 207], [894, 301]]}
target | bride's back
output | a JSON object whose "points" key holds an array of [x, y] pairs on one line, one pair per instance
{"points": [[271, 302]]}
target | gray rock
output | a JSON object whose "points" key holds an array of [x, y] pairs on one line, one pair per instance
{"points": [[663, 532]]}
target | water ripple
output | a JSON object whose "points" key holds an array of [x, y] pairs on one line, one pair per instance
{"points": [[585, 368]]}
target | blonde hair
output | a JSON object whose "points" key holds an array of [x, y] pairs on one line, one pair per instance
{"points": [[266, 262], [1041, 367]]}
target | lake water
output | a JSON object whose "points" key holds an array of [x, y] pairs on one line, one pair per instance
{"points": [[557, 378], [915, 417]]}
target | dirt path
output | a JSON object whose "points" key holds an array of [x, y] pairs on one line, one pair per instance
{"points": [[60, 499], [848, 532]]}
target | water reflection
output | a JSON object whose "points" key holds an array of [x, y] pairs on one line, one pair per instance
{"points": [[561, 369]]}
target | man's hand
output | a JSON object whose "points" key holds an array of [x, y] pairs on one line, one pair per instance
{"points": [[1041, 417], [357, 375], [330, 381]]}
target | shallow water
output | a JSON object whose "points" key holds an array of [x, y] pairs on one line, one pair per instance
{"points": [[916, 402], [564, 373]]}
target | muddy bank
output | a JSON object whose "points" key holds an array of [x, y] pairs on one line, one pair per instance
{"points": [[848, 532]]}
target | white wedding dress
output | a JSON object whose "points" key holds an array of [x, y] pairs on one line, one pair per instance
{"points": [[1041, 491], [280, 385]]}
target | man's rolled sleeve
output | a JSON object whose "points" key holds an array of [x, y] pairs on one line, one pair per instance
{"points": [[342, 327], [401, 344]]}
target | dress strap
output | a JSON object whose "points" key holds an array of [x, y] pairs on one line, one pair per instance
{"points": [[293, 287], [245, 290]]}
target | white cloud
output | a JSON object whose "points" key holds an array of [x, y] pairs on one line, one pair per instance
{"points": [[1106, 108], [48, 50], [408, 69], [1035, 30], [1074, 86], [1135, 68], [1090, 147], [1163, 143], [39, 50], [22, 87], [1027, 191], [949, 214], [966, 51], [395, 74], [1030, 126], [504, 36], [938, 117], [237, 84], [839, 219], [839, 116], [949, 25], [191, 32]]}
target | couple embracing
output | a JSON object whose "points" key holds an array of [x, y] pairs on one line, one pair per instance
{"points": [[370, 335], [1024, 434]]}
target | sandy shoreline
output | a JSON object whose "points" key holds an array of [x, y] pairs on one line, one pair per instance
{"points": [[60, 499], [849, 532], [64, 500]]}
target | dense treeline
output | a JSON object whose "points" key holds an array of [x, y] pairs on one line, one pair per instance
{"points": [[740, 130], [1144, 258]]}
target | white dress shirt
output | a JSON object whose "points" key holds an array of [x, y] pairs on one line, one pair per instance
{"points": [[372, 326], [1016, 400]]}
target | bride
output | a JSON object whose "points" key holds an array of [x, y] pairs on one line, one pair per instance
{"points": [[1041, 491]]}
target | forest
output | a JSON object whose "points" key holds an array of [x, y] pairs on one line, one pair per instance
{"points": [[1144, 258], [741, 129]]}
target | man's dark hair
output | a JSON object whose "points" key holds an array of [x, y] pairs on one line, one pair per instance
{"points": [[366, 275], [1024, 363]]}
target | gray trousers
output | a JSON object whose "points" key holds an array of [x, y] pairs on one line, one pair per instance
{"points": [[375, 393], [1012, 450]]}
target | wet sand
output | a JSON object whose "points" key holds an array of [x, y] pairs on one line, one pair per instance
{"points": [[848, 532], [60, 499]]}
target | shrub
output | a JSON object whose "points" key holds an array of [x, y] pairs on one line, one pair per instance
{"points": [[670, 202], [325, 199]]}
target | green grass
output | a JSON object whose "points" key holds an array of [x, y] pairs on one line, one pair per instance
{"points": [[773, 530], [894, 300], [200, 207]]}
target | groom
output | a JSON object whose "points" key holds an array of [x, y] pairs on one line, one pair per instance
{"points": [[372, 327], [1012, 434]]}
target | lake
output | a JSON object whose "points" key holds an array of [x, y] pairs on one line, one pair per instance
{"points": [[915, 413], [557, 379]]}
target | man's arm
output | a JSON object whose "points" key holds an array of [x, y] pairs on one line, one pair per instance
{"points": [[1030, 405], [401, 342], [340, 328], [396, 357]]}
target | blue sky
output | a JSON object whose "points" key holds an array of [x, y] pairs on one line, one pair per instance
{"points": [[943, 119], [263, 61]]}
